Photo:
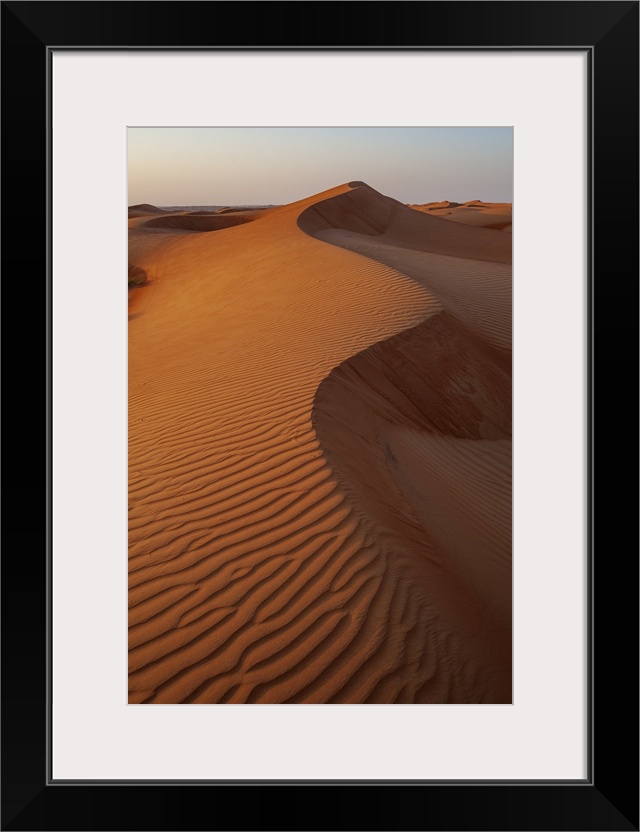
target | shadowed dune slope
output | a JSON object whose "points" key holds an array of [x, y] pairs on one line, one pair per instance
{"points": [[417, 428], [143, 210], [467, 269], [260, 568], [201, 222]]}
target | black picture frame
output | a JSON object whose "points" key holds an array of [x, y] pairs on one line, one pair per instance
{"points": [[608, 798]]}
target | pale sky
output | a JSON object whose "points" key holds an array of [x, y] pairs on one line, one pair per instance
{"points": [[277, 165]]}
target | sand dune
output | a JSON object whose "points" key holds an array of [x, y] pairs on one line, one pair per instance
{"points": [[319, 458], [143, 210], [496, 216]]}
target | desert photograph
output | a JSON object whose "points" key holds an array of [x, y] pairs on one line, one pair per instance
{"points": [[320, 415]]}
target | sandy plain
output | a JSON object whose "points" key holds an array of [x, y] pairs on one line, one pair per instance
{"points": [[320, 452]]}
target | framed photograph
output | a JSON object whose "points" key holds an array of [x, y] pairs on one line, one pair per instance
{"points": [[297, 428]]}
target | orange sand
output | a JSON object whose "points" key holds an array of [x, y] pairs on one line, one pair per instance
{"points": [[320, 456]]}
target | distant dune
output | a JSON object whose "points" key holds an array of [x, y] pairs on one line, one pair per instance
{"points": [[493, 215], [320, 456], [143, 210]]}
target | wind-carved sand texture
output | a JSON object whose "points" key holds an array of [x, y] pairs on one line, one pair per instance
{"points": [[320, 457]]}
